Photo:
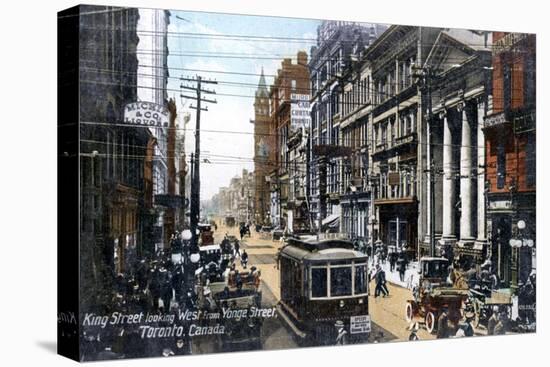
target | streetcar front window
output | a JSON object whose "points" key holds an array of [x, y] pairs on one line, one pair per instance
{"points": [[340, 281], [360, 279], [318, 282]]}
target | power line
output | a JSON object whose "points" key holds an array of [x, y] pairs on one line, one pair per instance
{"points": [[258, 38]]}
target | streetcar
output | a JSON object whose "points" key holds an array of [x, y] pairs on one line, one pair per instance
{"points": [[322, 282]]}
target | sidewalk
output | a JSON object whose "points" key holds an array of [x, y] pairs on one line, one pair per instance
{"points": [[411, 275]]}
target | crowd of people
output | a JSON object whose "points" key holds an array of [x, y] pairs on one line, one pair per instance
{"points": [[164, 284]]}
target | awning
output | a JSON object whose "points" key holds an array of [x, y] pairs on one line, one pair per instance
{"points": [[331, 218], [331, 222]]}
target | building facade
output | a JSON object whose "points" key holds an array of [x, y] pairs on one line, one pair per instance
{"points": [[510, 130], [264, 153], [237, 199], [459, 63], [112, 178], [287, 178], [337, 44], [153, 80], [399, 146]]}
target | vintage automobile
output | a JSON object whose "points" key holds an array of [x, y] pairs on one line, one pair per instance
{"points": [[433, 294], [322, 282], [242, 332], [229, 221], [277, 233], [206, 234]]}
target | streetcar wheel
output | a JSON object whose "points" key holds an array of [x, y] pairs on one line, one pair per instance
{"points": [[409, 312], [430, 322]]}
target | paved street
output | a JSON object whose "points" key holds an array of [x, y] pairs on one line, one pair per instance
{"points": [[387, 314]]}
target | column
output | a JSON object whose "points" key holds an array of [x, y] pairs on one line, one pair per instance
{"points": [[449, 164], [466, 235], [481, 226]]}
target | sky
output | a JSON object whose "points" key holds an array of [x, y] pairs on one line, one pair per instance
{"points": [[247, 56]]}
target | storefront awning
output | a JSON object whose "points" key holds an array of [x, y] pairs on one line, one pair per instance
{"points": [[332, 221]]}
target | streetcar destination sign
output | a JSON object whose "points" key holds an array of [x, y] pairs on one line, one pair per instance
{"points": [[146, 113], [359, 324]]}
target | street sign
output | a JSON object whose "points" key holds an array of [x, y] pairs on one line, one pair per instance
{"points": [[359, 324]]}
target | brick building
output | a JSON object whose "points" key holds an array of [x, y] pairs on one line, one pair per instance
{"points": [[287, 178], [510, 131]]}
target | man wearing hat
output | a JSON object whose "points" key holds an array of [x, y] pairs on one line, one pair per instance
{"points": [[342, 338]]}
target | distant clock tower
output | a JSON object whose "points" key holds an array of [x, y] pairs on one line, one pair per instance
{"points": [[263, 150]]}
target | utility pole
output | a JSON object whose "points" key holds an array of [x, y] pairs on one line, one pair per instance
{"points": [[424, 76], [431, 160], [195, 178]]}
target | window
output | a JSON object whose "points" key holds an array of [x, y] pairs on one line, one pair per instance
{"points": [[360, 278], [318, 282], [340, 281], [392, 129], [529, 89], [530, 161], [293, 86], [313, 84], [501, 166], [507, 81]]}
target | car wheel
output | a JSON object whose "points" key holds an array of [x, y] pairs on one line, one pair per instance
{"points": [[430, 322], [409, 312]]}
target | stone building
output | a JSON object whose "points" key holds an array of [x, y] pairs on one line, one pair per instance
{"points": [[399, 136], [152, 80], [237, 199], [460, 61], [329, 58], [111, 179]]}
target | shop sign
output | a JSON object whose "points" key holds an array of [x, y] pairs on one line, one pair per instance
{"points": [[146, 113], [299, 111]]}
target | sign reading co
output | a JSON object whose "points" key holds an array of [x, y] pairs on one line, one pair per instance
{"points": [[146, 113]]}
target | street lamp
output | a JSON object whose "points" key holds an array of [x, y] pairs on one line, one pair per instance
{"points": [[186, 235]]}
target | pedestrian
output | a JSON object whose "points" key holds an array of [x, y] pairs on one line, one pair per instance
{"points": [[237, 249], [342, 334], [244, 259], [413, 328], [401, 268], [380, 282], [393, 260], [383, 285], [493, 320], [500, 326], [469, 327], [443, 329]]}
